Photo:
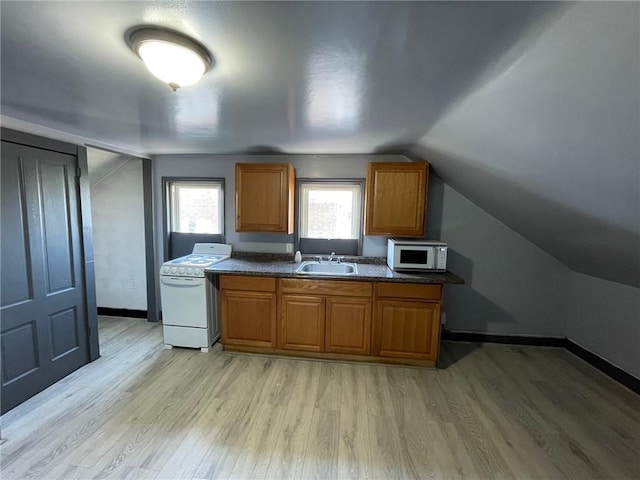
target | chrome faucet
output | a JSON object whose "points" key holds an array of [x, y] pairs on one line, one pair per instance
{"points": [[332, 257]]}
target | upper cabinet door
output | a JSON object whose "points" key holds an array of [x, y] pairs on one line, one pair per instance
{"points": [[264, 197], [396, 198]]}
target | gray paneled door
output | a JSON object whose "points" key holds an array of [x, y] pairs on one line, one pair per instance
{"points": [[44, 334]]}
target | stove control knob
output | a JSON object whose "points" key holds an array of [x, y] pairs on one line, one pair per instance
{"points": [[166, 270], [174, 270], [198, 271], [189, 271], [181, 271]]}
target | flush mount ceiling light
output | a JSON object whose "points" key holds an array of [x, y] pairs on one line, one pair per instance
{"points": [[174, 58]]}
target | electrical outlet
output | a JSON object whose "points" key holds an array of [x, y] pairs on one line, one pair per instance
{"points": [[443, 318], [289, 248]]}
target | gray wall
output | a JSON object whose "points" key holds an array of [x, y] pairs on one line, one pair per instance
{"points": [[512, 287], [118, 230], [223, 166], [604, 318]]}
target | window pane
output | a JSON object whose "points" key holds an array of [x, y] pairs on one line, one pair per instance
{"points": [[330, 214], [330, 211], [196, 208]]}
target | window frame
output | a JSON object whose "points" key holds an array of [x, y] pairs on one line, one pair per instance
{"points": [[358, 182], [167, 213]]}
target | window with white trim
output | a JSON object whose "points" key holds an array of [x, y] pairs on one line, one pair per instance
{"points": [[196, 207], [330, 216]]}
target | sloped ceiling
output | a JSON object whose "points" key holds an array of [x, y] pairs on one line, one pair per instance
{"points": [[551, 145], [102, 164], [530, 109]]}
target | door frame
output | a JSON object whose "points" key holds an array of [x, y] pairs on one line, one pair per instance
{"points": [[153, 309], [86, 234]]}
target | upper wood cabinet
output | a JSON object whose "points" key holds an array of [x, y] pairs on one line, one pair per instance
{"points": [[264, 197], [396, 198]]}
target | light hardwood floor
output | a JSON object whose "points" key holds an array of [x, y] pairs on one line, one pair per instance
{"points": [[495, 411]]}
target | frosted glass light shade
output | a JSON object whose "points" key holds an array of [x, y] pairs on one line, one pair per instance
{"points": [[172, 57], [171, 63]]}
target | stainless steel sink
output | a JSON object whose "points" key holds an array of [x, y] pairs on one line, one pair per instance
{"points": [[327, 268]]}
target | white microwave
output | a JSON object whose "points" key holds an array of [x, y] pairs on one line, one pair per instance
{"points": [[416, 255]]}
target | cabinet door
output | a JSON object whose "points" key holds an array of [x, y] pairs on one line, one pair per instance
{"points": [[406, 329], [348, 325], [248, 318], [302, 323], [396, 198], [264, 197]]}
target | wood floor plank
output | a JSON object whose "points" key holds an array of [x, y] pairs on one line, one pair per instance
{"points": [[184, 461], [321, 453], [224, 438], [354, 449], [481, 447], [66, 472], [378, 395], [607, 449], [73, 429], [329, 388], [288, 455], [492, 411], [281, 389], [255, 452], [512, 427], [386, 457], [137, 473]]}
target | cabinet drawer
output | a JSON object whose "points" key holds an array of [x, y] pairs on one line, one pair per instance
{"points": [[240, 282], [415, 291], [326, 287]]}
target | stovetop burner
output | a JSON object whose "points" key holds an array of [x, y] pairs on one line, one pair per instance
{"points": [[195, 259], [193, 265]]}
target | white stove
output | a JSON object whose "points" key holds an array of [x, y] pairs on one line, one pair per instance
{"points": [[190, 313], [193, 265]]}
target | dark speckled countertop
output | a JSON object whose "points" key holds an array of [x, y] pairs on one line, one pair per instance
{"points": [[372, 270]]}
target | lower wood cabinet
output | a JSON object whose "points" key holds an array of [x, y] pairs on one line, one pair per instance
{"points": [[302, 323], [407, 321], [385, 322], [348, 325], [248, 308], [325, 316], [407, 329]]}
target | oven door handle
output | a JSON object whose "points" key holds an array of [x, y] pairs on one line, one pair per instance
{"points": [[182, 281]]}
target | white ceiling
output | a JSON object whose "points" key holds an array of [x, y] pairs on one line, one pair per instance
{"points": [[530, 109]]}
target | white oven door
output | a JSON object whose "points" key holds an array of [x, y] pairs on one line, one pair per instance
{"points": [[184, 301]]}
